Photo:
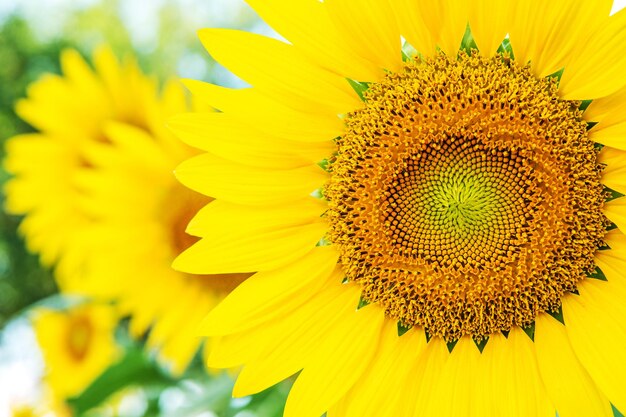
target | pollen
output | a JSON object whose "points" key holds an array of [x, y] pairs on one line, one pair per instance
{"points": [[465, 197]]}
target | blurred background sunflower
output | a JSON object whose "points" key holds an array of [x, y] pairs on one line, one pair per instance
{"points": [[61, 354]]}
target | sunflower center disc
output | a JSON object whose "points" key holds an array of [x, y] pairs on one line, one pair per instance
{"points": [[79, 337], [465, 197]]}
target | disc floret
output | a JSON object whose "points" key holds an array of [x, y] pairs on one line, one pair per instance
{"points": [[465, 196]]}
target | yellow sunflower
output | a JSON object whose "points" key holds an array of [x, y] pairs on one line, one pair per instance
{"points": [[436, 227], [77, 346], [44, 406], [100, 200]]}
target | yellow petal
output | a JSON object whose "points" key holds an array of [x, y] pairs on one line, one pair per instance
{"points": [[413, 28], [512, 378], [424, 376], [77, 71], [437, 23], [370, 29], [221, 217], [350, 345], [614, 174], [615, 210], [224, 136], [257, 111], [614, 104], [271, 294], [282, 346], [613, 291], [137, 145], [609, 132], [548, 33], [306, 24], [569, 386], [245, 239], [596, 328], [615, 239], [380, 391], [489, 22], [597, 68], [237, 183], [455, 392], [108, 68], [51, 107], [279, 70]]}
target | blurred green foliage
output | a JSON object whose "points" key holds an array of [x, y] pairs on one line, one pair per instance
{"points": [[22, 60]]}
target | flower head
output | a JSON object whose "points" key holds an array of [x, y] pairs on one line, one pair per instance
{"points": [[78, 342], [100, 202], [430, 222]]}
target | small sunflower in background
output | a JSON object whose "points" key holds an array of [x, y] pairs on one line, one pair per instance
{"points": [[437, 227], [100, 202], [45, 406], [77, 344]]}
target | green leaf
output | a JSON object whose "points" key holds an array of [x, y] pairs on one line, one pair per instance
{"points": [[133, 369]]}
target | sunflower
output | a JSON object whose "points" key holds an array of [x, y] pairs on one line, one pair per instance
{"points": [[430, 196], [77, 346], [100, 202], [43, 406]]}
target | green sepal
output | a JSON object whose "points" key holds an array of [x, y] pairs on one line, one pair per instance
{"points": [[598, 274], [402, 329], [557, 75], [409, 53], [468, 43], [481, 345], [558, 314], [324, 164], [359, 87], [612, 194], [362, 303], [506, 48], [451, 345], [584, 104], [616, 412], [530, 331]]}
